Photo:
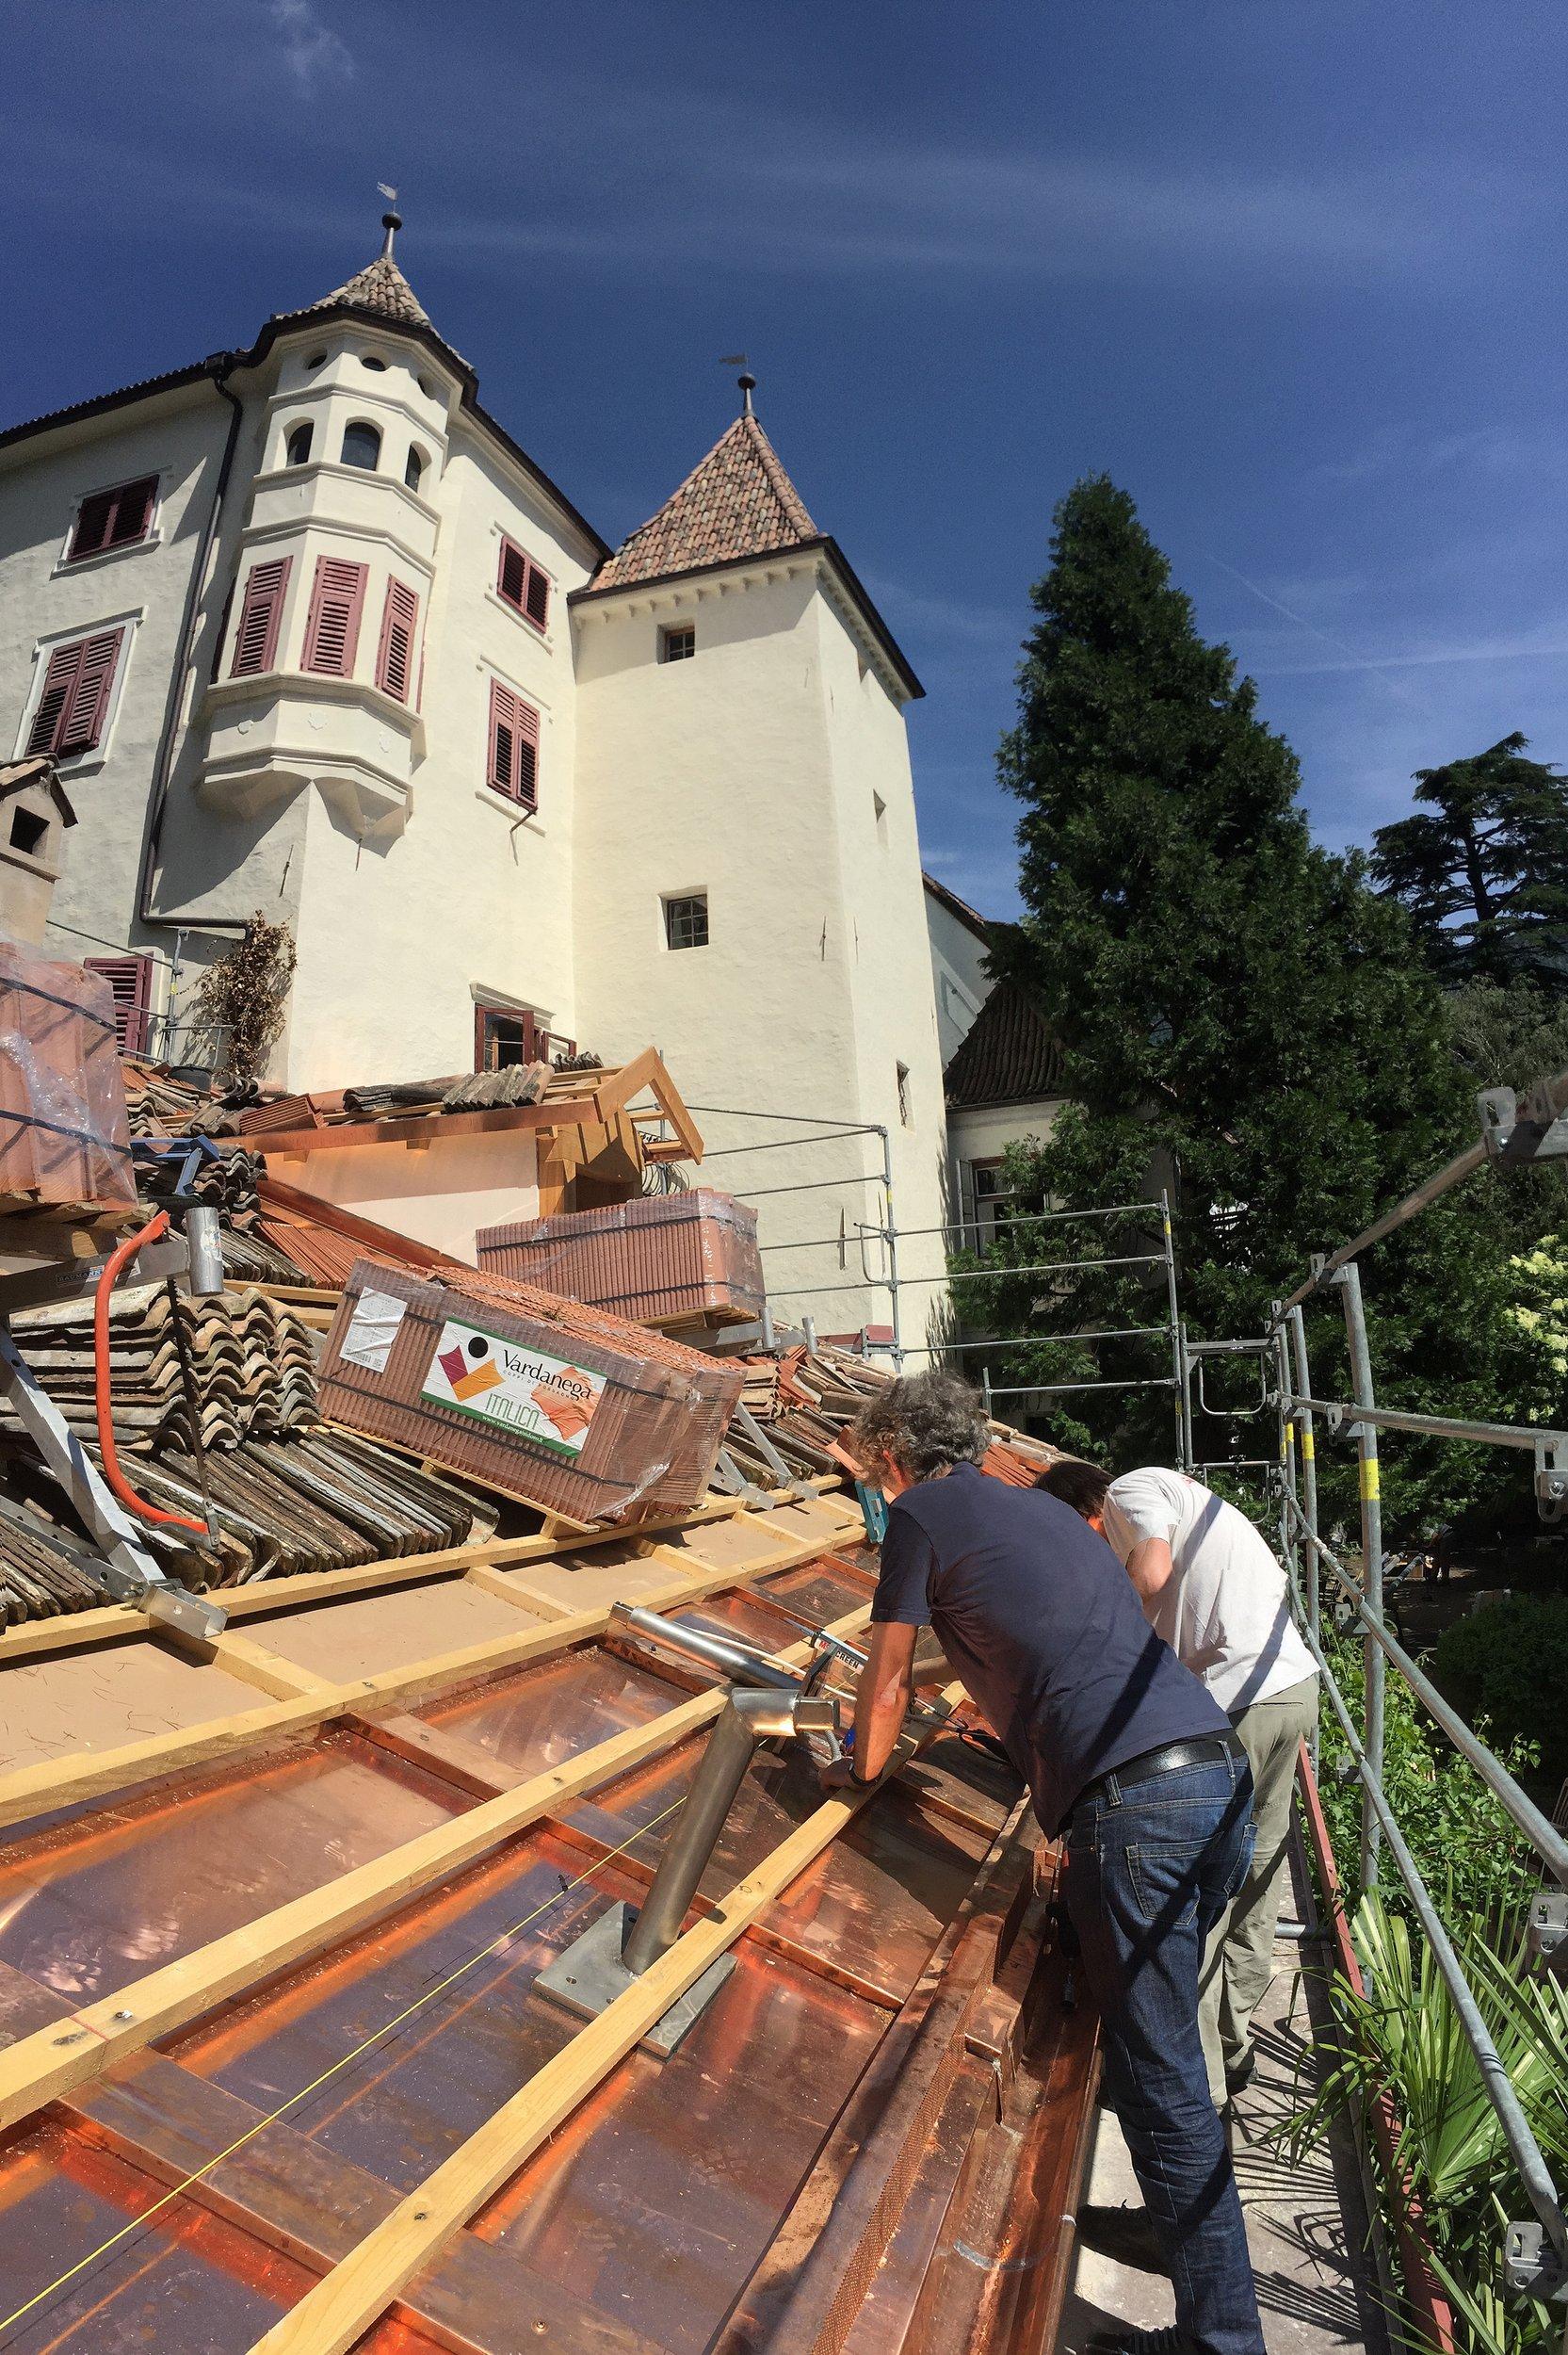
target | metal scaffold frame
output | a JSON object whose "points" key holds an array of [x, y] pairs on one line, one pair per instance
{"points": [[1536, 2249], [890, 1236]]}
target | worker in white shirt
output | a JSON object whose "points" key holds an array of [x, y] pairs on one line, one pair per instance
{"points": [[1213, 1589]]}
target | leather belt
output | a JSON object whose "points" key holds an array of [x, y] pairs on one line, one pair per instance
{"points": [[1206, 1750]]}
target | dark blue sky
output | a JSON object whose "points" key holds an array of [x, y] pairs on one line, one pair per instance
{"points": [[1294, 275]]}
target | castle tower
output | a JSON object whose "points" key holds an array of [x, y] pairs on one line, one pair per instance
{"points": [[748, 873]]}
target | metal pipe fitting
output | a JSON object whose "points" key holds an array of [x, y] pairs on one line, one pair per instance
{"points": [[204, 1242], [748, 1717], [715, 1652]]}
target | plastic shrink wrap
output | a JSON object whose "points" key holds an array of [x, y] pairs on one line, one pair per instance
{"points": [[64, 1138], [575, 1412], [659, 1259]]}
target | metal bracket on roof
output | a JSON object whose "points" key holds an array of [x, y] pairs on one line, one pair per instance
{"points": [[730, 1477], [1546, 1927], [1551, 1479], [1515, 1135], [1531, 2263], [757, 1435]]}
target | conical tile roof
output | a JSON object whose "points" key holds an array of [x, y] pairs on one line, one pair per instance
{"points": [[738, 502], [382, 287]]}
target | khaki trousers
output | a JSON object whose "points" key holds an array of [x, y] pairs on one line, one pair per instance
{"points": [[1238, 1960]]}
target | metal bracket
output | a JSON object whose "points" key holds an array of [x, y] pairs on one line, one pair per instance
{"points": [[770, 1456], [1546, 1927], [1531, 2263], [729, 1476], [1551, 1480], [1516, 1136]]}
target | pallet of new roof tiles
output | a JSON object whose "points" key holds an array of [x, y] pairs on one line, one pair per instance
{"points": [[661, 1259], [577, 1412], [65, 1141]]}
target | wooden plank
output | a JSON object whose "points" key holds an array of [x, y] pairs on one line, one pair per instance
{"points": [[81, 2044], [248, 1660], [331, 2317], [53, 1783]]}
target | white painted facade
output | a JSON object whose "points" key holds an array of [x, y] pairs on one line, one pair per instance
{"points": [[959, 975], [770, 771]]}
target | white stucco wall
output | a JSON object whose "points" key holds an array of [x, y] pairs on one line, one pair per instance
{"points": [[748, 774], [441, 1193], [178, 436], [959, 977]]}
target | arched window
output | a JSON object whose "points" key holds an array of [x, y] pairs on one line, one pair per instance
{"points": [[413, 468], [297, 447], [371, 359], [362, 446]]}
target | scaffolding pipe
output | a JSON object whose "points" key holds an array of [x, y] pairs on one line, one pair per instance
{"points": [[1534, 2174], [1347, 1283], [1525, 1435]]}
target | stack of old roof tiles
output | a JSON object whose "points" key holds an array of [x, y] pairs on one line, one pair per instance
{"points": [[252, 1362], [807, 1400]]}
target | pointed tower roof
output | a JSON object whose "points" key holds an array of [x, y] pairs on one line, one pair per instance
{"points": [[380, 289], [738, 502]]}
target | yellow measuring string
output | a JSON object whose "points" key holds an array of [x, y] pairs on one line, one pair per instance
{"points": [[272, 2116]]}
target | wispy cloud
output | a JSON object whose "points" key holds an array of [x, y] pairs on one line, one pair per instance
{"points": [[314, 54]]}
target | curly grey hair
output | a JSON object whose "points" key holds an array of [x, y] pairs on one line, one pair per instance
{"points": [[923, 1425]]}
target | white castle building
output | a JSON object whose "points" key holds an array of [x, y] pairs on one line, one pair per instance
{"points": [[306, 631]]}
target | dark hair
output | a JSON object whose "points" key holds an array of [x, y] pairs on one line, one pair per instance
{"points": [[1081, 1486], [923, 1425]]}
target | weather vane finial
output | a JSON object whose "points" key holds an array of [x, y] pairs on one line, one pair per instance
{"points": [[748, 383], [392, 221]]}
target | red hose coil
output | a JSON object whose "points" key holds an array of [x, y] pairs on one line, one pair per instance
{"points": [[126, 1249]]}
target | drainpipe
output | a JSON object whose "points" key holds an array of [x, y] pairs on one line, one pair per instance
{"points": [[221, 364]]}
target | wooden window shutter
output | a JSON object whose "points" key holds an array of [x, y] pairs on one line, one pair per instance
{"points": [[76, 698], [86, 706], [513, 746], [261, 616], [333, 630], [58, 680], [512, 580], [537, 597], [394, 655], [113, 519], [130, 981]]}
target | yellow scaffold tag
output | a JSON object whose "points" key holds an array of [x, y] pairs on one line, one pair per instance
{"points": [[1369, 1489], [1308, 1449]]}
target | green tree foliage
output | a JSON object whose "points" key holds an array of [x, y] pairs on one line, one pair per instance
{"points": [[1243, 1018], [1483, 870], [1508, 1663]]}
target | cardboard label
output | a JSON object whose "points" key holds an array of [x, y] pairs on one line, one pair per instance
{"points": [[372, 1330], [492, 1380]]}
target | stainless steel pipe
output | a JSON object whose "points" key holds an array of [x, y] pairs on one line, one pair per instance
{"points": [[750, 1717], [715, 1652]]}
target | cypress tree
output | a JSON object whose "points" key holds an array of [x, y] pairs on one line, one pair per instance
{"points": [[1242, 1015]]}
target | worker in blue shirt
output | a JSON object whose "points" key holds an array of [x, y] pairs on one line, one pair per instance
{"points": [[1127, 1759]]}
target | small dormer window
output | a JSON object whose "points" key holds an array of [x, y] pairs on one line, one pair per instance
{"points": [[678, 644], [362, 446], [297, 447], [373, 360], [414, 469]]}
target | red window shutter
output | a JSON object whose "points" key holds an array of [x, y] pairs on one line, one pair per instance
{"points": [[76, 698], [536, 602], [512, 580], [333, 630], [130, 981], [113, 519], [394, 655], [93, 519], [513, 746], [58, 680], [86, 706], [261, 616]]}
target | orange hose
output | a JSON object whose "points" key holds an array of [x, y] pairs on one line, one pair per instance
{"points": [[126, 1249]]}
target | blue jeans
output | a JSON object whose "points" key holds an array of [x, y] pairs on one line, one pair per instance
{"points": [[1151, 1868]]}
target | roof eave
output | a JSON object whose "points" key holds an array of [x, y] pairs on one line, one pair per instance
{"points": [[960, 909], [822, 544]]}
